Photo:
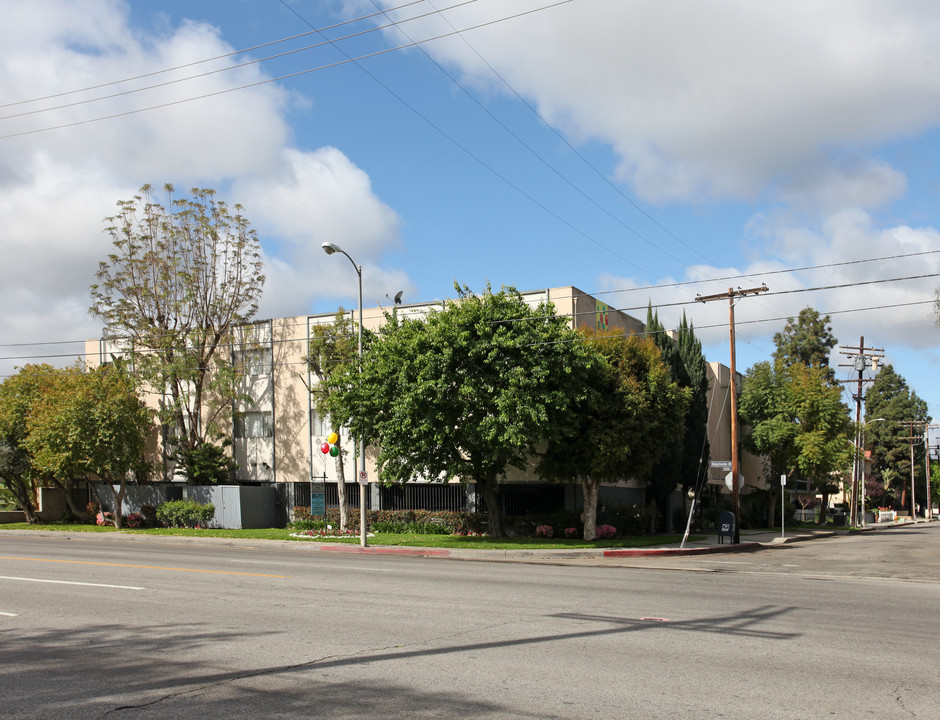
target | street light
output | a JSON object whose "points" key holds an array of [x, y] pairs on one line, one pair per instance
{"points": [[330, 248]]}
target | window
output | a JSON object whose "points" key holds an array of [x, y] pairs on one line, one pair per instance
{"points": [[255, 360], [254, 425], [319, 424]]}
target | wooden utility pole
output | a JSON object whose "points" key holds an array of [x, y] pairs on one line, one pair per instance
{"points": [[927, 429], [862, 356], [735, 497], [914, 425]]}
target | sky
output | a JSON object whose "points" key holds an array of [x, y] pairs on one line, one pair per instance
{"points": [[642, 151]]}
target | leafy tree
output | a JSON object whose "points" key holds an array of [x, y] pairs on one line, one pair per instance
{"points": [[683, 462], [630, 413], [208, 463], [695, 447], [47, 386], [334, 349], [889, 397], [18, 393], [465, 393], [177, 283], [799, 421], [808, 340], [663, 476], [91, 423]]}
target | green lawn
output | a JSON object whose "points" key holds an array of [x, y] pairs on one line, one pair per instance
{"points": [[386, 539]]}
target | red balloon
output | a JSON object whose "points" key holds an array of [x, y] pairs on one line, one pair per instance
{"points": [[325, 448]]}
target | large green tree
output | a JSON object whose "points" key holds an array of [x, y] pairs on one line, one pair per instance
{"points": [[629, 413], [682, 463], [92, 424], [178, 281], [465, 393], [806, 339], [18, 394], [889, 397], [798, 421]]}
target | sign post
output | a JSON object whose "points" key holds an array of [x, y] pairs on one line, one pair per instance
{"points": [[783, 488]]}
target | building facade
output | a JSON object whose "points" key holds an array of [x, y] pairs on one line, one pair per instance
{"points": [[277, 433]]}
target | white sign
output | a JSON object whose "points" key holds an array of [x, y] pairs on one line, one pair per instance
{"points": [[720, 464], [783, 481], [363, 477], [728, 481]]}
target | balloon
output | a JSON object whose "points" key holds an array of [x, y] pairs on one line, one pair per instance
{"points": [[325, 448], [332, 438], [334, 451]]}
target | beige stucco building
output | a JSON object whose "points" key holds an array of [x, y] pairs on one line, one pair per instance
{"points": [[277, 434]]}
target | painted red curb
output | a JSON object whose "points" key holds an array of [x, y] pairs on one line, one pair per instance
{"points": [[385, 550], [681, 551]]}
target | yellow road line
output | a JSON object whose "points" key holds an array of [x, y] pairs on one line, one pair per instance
{"points": [[144, 567]]}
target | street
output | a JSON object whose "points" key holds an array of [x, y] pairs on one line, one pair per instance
{"points": [[127, 627]]}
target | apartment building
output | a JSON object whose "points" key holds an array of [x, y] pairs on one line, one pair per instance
{"points": [[277, 433]]}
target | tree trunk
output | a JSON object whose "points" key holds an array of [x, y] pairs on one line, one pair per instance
{"points": [[494, 510], [341, 490], [589, 513], [66, 487], [21, 492], [117, 497], [824, 508]]}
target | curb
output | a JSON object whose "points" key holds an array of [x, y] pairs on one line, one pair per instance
{"points": [[740, 547]]}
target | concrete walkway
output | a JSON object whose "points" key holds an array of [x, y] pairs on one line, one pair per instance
{"points": [[750, 541]]}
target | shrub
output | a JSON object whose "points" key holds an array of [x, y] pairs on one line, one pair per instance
{"points": [[134, 520], [605, 532], [426, 522], [630, 519], [571, 532], [545, 531], [307, 524], [185, 514]]}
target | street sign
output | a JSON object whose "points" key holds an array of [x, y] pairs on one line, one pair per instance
{"points": [[363, 477], [728, 481], [720, 464]]}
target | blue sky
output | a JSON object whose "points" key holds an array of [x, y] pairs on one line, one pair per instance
{"points": [[608, 145]]}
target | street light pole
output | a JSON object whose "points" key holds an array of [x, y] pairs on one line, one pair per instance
{"points": [[330, 248]]}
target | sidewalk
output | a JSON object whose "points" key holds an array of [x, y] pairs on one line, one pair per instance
{"points": [[751, 540]]}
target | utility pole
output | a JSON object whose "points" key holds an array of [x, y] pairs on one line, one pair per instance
{"points": [[735, 497], [927, 429], [914, 425], [861, 357]]}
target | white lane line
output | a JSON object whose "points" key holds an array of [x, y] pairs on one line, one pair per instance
{"points": [[9, 614], [71, 582]]}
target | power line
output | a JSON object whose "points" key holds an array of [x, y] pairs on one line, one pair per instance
{"points": [[298, 339], [207, 60], [267, 81], [247, 63]]}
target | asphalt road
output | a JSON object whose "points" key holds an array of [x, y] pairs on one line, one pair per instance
{"points": [[111, 627]]}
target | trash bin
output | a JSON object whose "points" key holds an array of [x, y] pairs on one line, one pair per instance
{"points": [[838, 519]]}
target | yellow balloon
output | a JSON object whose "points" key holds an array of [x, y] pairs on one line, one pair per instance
{"points": [[332, 438]]}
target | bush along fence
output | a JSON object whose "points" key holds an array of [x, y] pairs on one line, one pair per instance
{"points": [[616, 521], [185, 514]]}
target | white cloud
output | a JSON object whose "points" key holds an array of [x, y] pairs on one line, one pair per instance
{"points": [[887, 314], [717, 99], [59, 185]]}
